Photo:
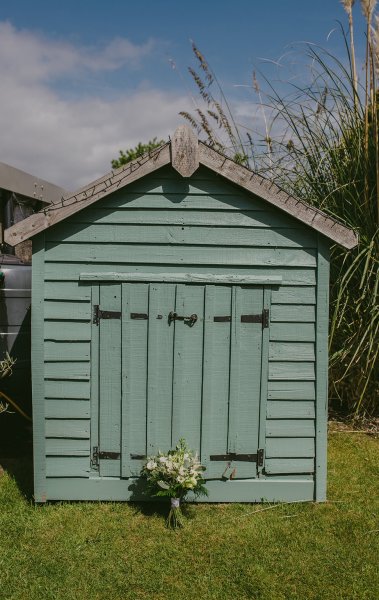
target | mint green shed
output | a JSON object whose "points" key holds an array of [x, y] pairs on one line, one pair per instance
{"points": [[180, 296]]}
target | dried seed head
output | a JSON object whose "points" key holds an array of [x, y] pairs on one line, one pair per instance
{"points": [[376, 30], [375, 39], [255, 83], [348, 5], [368, 7], [290, 145]]}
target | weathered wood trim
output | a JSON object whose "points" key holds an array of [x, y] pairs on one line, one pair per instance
{"points": [[37, 358], [183, 278], [88, 195], [274, 195], [184, 151], [185, 156], [322, 320], [281, 489], [70, 272]]}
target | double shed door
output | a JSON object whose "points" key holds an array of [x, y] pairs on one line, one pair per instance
{"points": [[178, 360]]}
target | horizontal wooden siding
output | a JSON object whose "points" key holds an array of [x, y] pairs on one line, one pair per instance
{"points": [[166, 223]]}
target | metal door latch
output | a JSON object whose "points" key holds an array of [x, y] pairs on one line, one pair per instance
{"points": [[173, 316]]}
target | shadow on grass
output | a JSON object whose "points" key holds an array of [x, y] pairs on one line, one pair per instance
{"points": [[16, 452], [161, 508], [21, 469]]}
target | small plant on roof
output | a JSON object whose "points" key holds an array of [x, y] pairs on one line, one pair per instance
{"points": [[133, 153], [173, 475]]}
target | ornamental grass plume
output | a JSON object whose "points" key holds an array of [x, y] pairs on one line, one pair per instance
{"points": [[368, 7], [6, 365], [348, 6], [324, 149], [376, 45]]}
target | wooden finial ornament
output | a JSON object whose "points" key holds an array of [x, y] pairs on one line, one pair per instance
{"points": [[184, 151]]}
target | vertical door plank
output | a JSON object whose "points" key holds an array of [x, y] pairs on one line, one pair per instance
{"points": [[245, 376], [110, 379], [135, 299], [160, 363], [95, 377], [188, 367], [264, 377], [215, 378]]}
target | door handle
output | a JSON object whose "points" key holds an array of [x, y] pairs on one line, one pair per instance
{"points": [[191, 320]]}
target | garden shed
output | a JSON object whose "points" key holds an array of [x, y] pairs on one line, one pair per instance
{"points": [[180, 296]]}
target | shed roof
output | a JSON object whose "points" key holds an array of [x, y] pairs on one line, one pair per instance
{"points": [[185, 153], [20, 182]]}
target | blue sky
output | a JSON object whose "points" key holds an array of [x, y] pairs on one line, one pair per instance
{"points": [[82, 79]]}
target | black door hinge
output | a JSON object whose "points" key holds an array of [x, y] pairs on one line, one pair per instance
{"points": [[230, 456], [104, 314], [98, 455], [263, 317], [233, 456], [95, 457]]}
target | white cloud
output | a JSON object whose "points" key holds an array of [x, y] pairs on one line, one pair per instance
{"points": [[37, 58], [72, 141]]}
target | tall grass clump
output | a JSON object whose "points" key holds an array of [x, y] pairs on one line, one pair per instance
{"points": [[320, 142]]}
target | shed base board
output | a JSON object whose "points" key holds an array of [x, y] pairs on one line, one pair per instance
{"points": [[286, 490]]}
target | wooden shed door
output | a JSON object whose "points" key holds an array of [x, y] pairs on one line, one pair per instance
{"points": [[178, 361]]}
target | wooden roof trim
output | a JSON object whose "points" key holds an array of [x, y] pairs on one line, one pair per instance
{"points": [[185, 151], [270, 192], [185, 161], [87, 195]]}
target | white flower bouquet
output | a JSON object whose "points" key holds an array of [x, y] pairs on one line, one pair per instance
{"points": [[174, 475]]}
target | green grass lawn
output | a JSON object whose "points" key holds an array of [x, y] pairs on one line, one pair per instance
{"points": [[120, 551]]}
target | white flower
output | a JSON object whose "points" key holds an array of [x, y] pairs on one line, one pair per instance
{"points": [[179, 479], [151, 465], [169, 465], [163, 485], [162, 459]]}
